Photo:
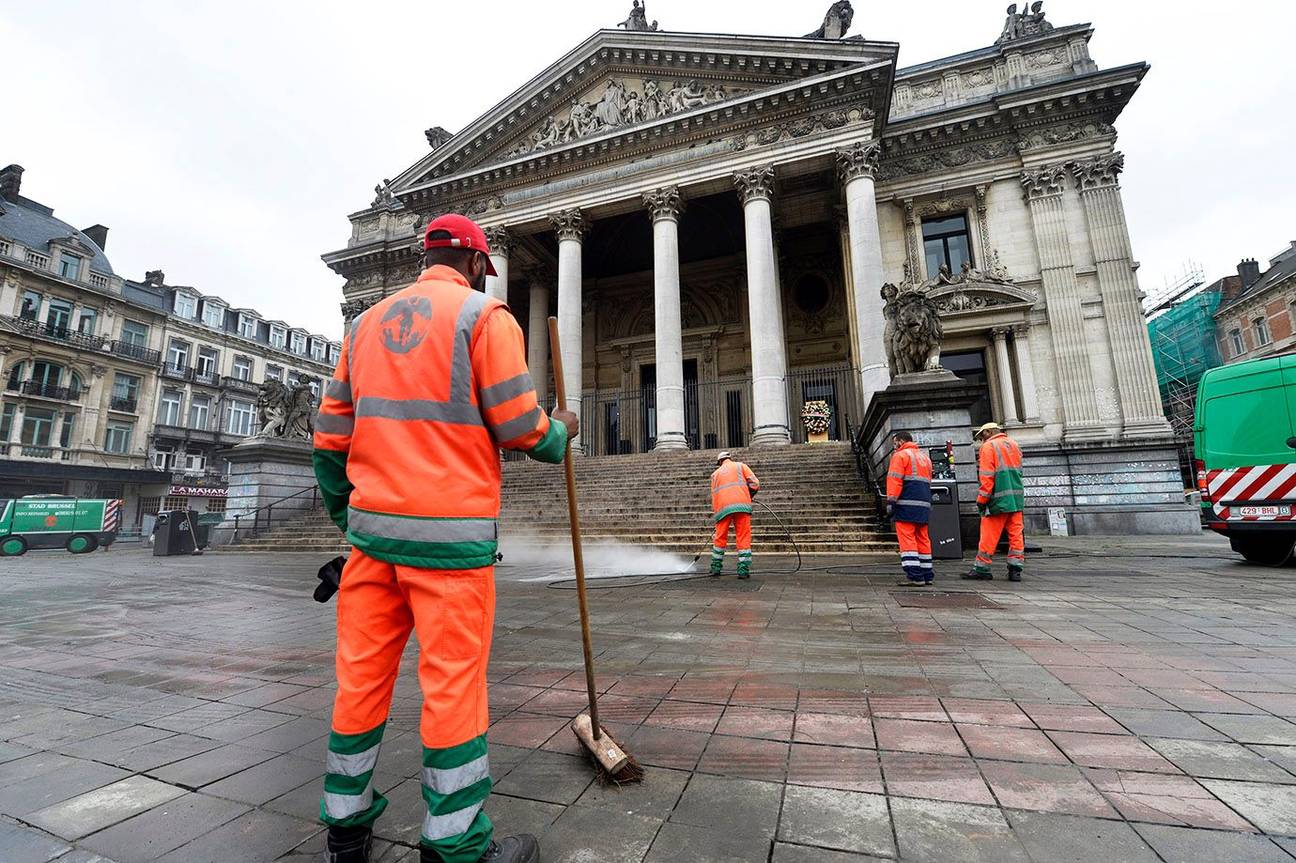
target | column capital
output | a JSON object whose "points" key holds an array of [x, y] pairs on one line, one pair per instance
{"points": [[539, 274], [1000, 334], [1098, 172], [755, 183], [569, 224], [664, 203], [860, 159], [1044, 181], [1019, 330], [500, 240]]}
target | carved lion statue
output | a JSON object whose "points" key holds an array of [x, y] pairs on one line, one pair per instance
{"points": [[916, 334]]}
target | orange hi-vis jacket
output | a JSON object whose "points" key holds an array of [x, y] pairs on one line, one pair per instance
{"points": [[908, 485], [1000, 472], [431, 382], [732, 487]]}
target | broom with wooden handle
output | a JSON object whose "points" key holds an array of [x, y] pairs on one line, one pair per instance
{"points": [[612, 762]]}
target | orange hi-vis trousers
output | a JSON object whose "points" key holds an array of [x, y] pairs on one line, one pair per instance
{"points": [[915, 551], [741, 522], [992, 528], [453, 614]]}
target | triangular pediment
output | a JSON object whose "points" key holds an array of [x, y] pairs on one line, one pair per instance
{"points": [[617, 81]]}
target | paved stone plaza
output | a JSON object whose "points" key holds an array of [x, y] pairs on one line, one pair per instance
{"points": [[1125, 703]]}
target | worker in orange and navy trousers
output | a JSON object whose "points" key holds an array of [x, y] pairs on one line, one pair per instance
{"points": [[431, 383], [1001, 497], [733, 485], [908, 488]]}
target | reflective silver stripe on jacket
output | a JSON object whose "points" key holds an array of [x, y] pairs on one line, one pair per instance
{"points": [[448, 780], [505, 391], [461, 359], [418, 409], [516, 427], [351, 765], [345, 805], [334, 424], [340, 390], [417, 529], [454, 824], [918, 503]]}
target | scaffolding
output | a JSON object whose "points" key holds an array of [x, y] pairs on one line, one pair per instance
{"points": [[1181, 324]]}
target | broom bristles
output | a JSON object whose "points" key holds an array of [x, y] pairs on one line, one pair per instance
{"points": [[631, 774]]}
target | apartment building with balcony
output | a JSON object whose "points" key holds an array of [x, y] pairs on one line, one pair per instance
{"points": [[215, 357], [80, 352]]}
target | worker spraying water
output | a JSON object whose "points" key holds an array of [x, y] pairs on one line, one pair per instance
{"points": [[733, 485]]}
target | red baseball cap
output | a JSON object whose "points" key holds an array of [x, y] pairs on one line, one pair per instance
{"points": [[464, 234]]}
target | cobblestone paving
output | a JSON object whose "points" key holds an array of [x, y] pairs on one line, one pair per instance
{"points": [[1130, 701]]}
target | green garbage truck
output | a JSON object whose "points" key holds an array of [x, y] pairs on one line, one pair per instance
{"points": [[1245, 442], [78, 524]]}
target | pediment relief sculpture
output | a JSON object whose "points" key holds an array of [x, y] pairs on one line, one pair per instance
{"points": [[621, 102]]}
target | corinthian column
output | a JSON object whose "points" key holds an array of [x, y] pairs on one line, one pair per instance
{"points": [[856, 165], [1127, 330], [570, 226], [500, 243], [769, 357], [1004, 369], [538, 332], [665, 206], [1044, 187], [1026, 372]]}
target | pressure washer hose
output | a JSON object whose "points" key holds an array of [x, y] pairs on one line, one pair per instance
{"points": [[645, 579]]}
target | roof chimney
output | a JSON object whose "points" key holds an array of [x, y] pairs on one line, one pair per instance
{"points": [[99, 234], [1249, 270], [11, 182]]}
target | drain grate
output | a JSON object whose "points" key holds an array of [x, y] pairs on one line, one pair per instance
{"points": [[960, 599]]}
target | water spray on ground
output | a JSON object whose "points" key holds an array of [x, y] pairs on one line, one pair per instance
{"points": [[533, 559]]}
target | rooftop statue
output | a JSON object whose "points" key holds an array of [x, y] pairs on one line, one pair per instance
{"points": [[638, 19], [1028, 22], [836, 22]]}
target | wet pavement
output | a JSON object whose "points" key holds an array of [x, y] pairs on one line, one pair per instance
{"points": [[1129, 701]]}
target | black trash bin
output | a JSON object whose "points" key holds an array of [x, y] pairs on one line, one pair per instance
{"points": [[946, 539], [173, 533]]}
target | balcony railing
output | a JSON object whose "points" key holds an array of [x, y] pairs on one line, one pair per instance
{"points": [[124, 404], [50, 391], [4, 248], [29, 326], [238, 384], [37, 260], [37, 451], [177, 372], [98, 280], [135, 352], [206, 378]]}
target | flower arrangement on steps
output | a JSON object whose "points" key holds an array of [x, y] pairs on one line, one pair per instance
{"points": [[816, 415]]}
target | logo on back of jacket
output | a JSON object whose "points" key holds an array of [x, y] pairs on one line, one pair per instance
{"points": [[405, 324]]}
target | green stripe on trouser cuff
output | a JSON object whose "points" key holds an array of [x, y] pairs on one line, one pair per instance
{"points": [[349, 798], [456, 782]]}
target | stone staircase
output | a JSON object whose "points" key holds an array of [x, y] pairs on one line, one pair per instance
{"points": [[663, 500]]}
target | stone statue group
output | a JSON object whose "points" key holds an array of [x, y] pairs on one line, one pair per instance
{"points": [[286, 412], [1028, 22]]}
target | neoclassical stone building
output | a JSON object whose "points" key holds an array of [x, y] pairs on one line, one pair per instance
{"points": [[713, 217]]}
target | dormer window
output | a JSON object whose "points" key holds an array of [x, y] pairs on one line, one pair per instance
{"points": [[69, 266], [335, 353], [278, 337], [247, 326], [299, 343], [186, 306], [317, 349], [213, 314]]}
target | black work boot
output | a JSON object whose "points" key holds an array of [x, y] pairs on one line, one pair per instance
{"points": [[348, 845], [976, 576], [522, 848], [1014, 574]]}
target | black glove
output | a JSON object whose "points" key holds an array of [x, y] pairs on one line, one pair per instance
{"points": [[330, 576], [890, 510]]}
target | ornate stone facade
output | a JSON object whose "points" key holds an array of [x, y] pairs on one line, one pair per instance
{"points": [[815, 171]]}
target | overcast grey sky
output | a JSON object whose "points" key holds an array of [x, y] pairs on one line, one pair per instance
{"points": [[225, 143]]}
